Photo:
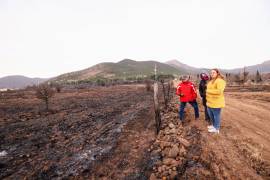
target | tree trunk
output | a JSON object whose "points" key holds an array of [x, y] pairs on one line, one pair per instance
{"points": [[47, 104], [164, 95]]}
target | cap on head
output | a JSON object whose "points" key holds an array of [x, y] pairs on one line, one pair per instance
{"points": [[184, 77], [204, 76]]}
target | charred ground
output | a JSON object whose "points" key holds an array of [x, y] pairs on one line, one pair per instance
{"points": [[83, 128], [109, 133]]}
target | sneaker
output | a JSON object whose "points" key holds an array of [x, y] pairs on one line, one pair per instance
{"points": [[214, 130], [210, 127]]}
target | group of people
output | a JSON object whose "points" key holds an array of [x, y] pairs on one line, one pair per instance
{"points": [[212, 94]]}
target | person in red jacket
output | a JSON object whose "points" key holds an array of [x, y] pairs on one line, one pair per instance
{"points": [[188, 94]]}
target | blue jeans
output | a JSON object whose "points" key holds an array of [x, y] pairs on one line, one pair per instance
{"points": [[214, 114], [194, 104]]}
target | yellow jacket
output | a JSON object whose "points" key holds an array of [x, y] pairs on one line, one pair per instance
{"points": [[215, 93]]}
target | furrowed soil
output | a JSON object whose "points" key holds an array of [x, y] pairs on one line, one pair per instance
{"points": [[109, 133]]}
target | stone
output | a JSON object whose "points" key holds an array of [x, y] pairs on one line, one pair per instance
{"points": [[164, 144], [173, 152], [169, 161], [3, 153], [172, 126], [172, 131], [173, 175], [166, 152], [153, 177], [184, 141], [159, 169], [164, 168], [182, 151]]}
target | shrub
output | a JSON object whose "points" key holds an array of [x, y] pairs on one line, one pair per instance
{"points": [[45, 93]]}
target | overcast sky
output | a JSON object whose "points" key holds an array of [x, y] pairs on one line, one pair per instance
{"points": [[44, 38]]}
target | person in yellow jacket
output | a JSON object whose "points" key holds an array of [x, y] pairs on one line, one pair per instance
{"points": [[215, 99]]}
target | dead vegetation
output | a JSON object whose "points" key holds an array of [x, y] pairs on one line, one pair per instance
{"points": [[45, 93]]}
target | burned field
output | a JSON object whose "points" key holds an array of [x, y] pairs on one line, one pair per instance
{"points": [[109, 133], [84, 130]]}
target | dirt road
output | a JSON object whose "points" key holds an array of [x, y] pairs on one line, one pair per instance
{"points": [[247, 115], [244, 142], [240, 151]]}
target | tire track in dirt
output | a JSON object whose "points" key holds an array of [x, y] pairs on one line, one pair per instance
{"points": [[246, 124]]}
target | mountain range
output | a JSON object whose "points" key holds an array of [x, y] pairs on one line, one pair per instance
{"points": [[262, 68], [124, 69], [185, 67], [18, 82]]}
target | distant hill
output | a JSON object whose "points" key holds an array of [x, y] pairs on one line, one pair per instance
{"points": [[17, 82], [262, 68], [187, 68], [123, 69]]}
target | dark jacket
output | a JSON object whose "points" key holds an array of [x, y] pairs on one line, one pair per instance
{"points": [[202, 90]]}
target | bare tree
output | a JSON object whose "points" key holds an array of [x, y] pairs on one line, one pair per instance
{"points": [[258, 77], [245, 75], [45, 93], [228, 77], [237, 78]]}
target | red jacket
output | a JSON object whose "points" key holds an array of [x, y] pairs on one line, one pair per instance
{"points": [[187, 89]]}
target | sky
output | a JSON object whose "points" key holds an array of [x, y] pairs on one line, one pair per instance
{"points": [[45, 38]]}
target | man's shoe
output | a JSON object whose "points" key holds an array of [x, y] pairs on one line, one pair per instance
{"points": [[210, 127]]}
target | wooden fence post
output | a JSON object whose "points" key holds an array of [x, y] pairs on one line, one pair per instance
{"points": [[157, 109]]}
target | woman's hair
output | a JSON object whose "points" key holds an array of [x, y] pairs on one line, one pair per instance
{"points": [[219, 75]]}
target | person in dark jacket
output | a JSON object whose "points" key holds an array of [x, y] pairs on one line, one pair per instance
{"points": [[188, 94], [202, 90]]}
